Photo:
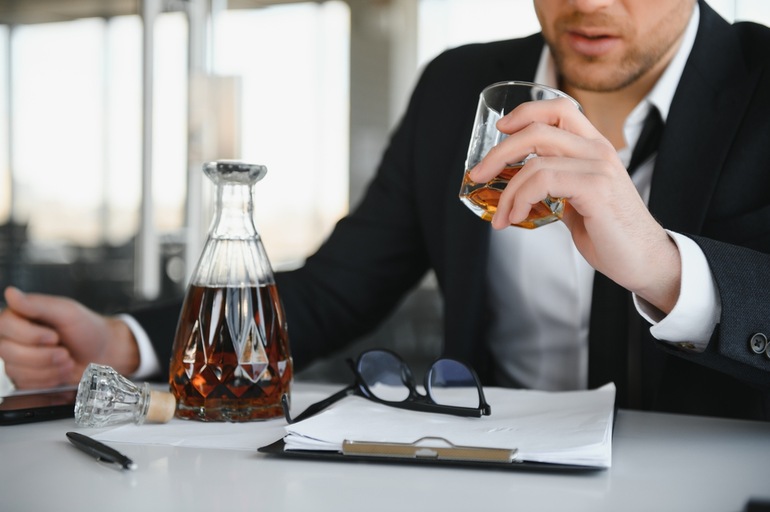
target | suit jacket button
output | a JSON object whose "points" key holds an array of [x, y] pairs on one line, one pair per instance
{"points": [[758, 343]]}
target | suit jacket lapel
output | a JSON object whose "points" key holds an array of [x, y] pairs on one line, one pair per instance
{"points": [[708, 105]]}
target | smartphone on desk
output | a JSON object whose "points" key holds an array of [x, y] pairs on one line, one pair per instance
{"points": [[28, 407]]}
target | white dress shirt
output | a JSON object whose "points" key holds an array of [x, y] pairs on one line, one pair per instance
{"points": [[540, 286]]}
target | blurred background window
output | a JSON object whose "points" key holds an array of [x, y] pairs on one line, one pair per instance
{"points": [[71, 149]]}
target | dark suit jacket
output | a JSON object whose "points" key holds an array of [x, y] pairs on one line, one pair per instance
{"points": [[711, 181]]}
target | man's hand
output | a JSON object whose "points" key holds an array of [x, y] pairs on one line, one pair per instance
{"points": [[48, 341], [610, 224]]}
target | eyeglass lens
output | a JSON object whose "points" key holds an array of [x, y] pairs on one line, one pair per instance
{"points": [[388, 378], [385, 375], [452, 383]]}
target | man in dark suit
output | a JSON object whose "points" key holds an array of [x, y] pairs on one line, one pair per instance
{"points": [[700, 281]]}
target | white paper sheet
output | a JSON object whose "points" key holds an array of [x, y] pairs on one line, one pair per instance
{"points": [[197, 434], [573, 427]]}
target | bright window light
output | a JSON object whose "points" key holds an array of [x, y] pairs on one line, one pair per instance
{"points": [[77, 123]]}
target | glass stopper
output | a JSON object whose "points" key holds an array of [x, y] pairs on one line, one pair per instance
{"points": [[107, 398]]}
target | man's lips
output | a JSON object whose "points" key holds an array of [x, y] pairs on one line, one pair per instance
{"points": [[591, 43]]}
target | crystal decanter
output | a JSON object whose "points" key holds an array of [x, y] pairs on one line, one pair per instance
{"points": [[231, 359]]}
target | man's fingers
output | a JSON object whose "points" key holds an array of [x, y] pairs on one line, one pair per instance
{"points": [[543, 140], [560, 113], [37, 378], [36, 367], [20, 330], [43, 308]]}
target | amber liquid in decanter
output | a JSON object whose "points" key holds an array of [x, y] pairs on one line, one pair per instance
{"points": [[231, 359], [225, 362]]}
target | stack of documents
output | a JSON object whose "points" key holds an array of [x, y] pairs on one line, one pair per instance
{"points": [[573, 427]]}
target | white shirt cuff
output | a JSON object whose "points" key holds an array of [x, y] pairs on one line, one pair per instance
{"points": [[6, 384], [696, 313], [149, 366]]}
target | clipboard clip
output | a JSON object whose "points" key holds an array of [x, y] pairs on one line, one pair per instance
{"points": [[436, 448]]}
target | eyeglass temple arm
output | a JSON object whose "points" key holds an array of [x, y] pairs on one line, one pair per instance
{"points": [[315, 408]]}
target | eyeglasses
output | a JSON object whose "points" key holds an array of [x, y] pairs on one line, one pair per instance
{"points": [[451, 387]]}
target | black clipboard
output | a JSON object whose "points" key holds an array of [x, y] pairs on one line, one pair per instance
{"points": [[416, 454]]}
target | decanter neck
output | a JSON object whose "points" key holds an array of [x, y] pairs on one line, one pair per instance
{"points": [[233, 212]]}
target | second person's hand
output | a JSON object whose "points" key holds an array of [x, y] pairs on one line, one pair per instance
{"points": [[48, 341]]}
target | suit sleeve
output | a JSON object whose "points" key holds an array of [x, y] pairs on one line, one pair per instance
{"points": [[742, 276], [159, 323]]}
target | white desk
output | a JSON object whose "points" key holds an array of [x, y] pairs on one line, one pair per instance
{"points": [[660, 463]]}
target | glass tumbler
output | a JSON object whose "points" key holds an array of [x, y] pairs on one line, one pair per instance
{"points": [[495, 102]]}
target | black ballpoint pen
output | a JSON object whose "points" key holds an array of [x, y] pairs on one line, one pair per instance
{"points": [[100, 451]]}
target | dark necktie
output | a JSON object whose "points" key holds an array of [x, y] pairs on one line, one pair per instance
{"points": [[614, 338], [649, 139]]}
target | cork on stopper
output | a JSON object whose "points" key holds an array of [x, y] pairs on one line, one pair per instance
{"points": [[162, 407]]}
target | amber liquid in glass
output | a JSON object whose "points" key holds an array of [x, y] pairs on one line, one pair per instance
{"points": [[482, 199], [231, 359]]}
